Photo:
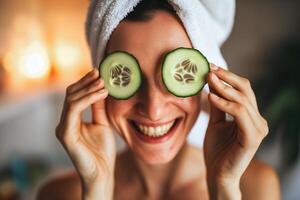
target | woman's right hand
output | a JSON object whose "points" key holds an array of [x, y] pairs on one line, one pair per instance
{"points": [[91, 146]]}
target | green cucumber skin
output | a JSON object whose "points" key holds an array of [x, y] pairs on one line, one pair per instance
{"points": [[164, 79], [161, 72], [119, 51]]}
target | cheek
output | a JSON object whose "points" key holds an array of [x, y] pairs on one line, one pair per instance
{"points": [[191, 107], [117, 111], [189, 104], [113, 107]]}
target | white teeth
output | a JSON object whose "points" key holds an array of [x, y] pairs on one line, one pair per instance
{"points": [[155, 131], [151, 130]]}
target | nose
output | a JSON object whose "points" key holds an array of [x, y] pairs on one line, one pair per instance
{"points": [[152, 102]]}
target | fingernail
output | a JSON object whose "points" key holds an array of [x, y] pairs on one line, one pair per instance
{"points": [[213, 96], [97, 81], [94, 71], [214, 77], [214, 67], [91, 73], [104, 90], [102, 80]]}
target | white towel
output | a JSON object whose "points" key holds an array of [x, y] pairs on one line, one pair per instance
{"points": [[207, 22]]}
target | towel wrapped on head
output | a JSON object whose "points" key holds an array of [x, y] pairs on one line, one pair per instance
{"points": [[208, 24]]}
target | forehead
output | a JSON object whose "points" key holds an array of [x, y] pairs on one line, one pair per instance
{"points": [[162, 33]]}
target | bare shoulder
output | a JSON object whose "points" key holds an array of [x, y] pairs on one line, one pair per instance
{"points": [[260, 181], [63, 187]]}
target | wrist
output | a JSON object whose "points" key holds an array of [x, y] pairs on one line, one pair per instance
{"points": [[224, 189], [98, 190]]}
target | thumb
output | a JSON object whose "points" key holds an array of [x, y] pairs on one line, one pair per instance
{"points": [[216, 115], [99, 115]]}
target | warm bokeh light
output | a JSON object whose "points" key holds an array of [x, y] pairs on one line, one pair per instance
{"points": [[67, 55], [34, 55], [34, 63], [26, 60], [26, 64]]}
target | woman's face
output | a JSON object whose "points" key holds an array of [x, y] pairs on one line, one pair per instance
{"points": [[153, 107]]}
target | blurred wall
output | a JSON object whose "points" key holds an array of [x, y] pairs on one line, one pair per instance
{"points": [[259, 25]]}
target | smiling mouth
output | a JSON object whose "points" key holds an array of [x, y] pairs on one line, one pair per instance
{"points": [[155, 134]]}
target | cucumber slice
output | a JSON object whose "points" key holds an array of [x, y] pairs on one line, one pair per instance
{"points": [[121, 73], [184, 71]]}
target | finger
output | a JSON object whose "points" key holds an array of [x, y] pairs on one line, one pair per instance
{"points": [[239, 83], [84, 81], [73, 88], [245, 137], [92, 87], [75, 107], [226, 91], [99, 115], [237, 111], [233, 95], [216, 115]]}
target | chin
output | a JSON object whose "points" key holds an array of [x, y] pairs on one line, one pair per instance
{"points": [[156, 156], [157, 150]]}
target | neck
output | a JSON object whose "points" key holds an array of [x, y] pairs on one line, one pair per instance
{"points": [[158, 177]]}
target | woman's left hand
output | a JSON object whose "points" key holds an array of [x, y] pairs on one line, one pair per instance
{"points": [[229, 146]]}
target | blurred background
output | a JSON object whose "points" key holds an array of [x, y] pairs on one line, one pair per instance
{"points": [[43, 49]]}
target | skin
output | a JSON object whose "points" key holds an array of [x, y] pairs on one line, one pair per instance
{"points": [[223, 169]]}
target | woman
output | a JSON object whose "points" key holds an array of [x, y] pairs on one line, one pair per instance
{"points": [[172, 168]]}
